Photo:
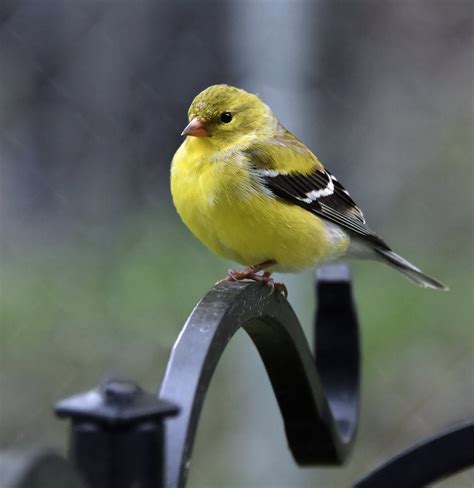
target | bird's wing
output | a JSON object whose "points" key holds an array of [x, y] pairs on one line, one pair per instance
{"points": [[311, 187]]}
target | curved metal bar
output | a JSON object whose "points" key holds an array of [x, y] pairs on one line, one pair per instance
{"points": [[320, 425], [427, 462], [336, 345], [37, 468]]}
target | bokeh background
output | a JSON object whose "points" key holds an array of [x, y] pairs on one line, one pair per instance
{"points": [[98, 273]]}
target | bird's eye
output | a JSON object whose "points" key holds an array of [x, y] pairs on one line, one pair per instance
{"points": [[226, 117]]}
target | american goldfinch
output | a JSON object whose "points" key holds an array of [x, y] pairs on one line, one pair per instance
{"points": [[253, 193]]}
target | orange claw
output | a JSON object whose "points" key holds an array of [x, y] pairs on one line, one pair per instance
{"points": [[250, 274]]}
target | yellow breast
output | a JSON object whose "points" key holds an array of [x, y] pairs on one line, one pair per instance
{"points": [[226, 209]]}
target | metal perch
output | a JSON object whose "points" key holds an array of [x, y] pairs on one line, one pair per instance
{"points": [[318, 399]]}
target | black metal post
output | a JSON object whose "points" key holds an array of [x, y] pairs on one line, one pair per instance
{"points": [[117, 435]]}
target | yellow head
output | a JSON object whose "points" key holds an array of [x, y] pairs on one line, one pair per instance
{"points": [[224, 114]]}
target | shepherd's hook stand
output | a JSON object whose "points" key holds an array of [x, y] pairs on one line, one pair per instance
{"points": [[317, 395]]}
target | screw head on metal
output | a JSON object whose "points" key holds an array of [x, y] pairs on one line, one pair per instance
{"points": [[120, 392]]}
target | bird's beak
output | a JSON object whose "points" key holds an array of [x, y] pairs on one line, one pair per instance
{"points": [[197, 128]]}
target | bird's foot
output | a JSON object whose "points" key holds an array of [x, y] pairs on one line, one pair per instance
{"points": [[250, 273], [267, 280], [247, 274]]}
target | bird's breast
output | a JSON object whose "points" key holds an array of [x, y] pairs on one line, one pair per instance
{"points": [[231, 214], [205, 190]]}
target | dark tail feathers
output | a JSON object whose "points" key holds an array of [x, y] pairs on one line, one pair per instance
{"points": [[411, 272]]}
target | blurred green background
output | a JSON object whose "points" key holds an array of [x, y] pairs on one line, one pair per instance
{"points": [[98, 274]]}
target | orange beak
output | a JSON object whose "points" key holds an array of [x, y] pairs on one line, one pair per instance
{"points": [[197, 128]]}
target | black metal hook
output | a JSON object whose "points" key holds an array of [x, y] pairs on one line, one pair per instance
{"points": [[319, 404]]}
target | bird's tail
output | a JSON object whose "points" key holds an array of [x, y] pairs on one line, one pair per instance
{"points": [[409, 270]]}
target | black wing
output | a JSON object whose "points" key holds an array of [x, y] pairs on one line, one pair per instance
{"points": [[319, 192]]}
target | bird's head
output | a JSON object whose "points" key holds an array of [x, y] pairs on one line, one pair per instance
{"points": [[223, 114]]}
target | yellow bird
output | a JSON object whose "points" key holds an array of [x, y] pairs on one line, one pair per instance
{"points": [[253, 193]]}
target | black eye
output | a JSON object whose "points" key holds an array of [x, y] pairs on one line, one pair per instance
{"points": [[226, 117]]}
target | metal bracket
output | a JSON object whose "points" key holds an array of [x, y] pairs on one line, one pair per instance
{"points": [[318, 402]]}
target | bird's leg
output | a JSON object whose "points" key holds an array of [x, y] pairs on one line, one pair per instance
{"points": [[250, 273]]}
